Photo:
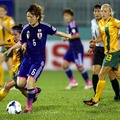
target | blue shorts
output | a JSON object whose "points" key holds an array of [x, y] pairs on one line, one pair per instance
{"points": [[74, 56], [33, 69]]}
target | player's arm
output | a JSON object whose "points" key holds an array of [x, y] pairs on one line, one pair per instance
{"points": [[17, 45], [64, 35], [2, 43], [94, 41]]}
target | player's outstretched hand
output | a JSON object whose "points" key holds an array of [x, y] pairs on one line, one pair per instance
{"points": [[92, 43], [90, 51], [7, 52]]}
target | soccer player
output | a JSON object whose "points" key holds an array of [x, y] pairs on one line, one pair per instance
{"points": [[17, 58], [75, 53], [108, 28], [99, 55], [34, 35], [6, 23]]}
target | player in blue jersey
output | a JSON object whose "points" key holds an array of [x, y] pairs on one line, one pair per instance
{"points": [[75, 53], [34, 36]]}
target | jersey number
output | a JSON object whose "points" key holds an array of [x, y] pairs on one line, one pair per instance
{"points": [[34, 42], [108, 57], [33, 72]]}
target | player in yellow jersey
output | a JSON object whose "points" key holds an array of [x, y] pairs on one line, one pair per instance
{"points": [[108, 28], [6, 23], [17, 58]]}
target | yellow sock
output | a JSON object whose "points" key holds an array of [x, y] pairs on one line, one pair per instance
{"points": [[1, 75], [99, 90], [2, 94], [10, 73]]}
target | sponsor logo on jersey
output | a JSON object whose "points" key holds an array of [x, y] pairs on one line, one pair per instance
{"points": [[28, 34], [39, 34]]}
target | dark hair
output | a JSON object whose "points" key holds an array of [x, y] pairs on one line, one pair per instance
{"points": [[97, 7], [18, 28], [69, 11], [37, 11], [3, 6]]}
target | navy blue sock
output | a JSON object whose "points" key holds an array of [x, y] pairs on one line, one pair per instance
{"points": [[68, 72], [84, 75]]}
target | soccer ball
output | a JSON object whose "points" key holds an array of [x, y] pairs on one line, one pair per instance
{"points": [[14, 107]]}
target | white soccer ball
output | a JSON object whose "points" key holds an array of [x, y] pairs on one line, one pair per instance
{"points": [[14, 107]]}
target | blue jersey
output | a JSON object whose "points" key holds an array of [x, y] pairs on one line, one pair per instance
{"points": [[72, 29], [35, 37]]}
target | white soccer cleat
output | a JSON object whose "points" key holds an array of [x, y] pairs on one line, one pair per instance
{"points": [[71, 86], [88, 87]]}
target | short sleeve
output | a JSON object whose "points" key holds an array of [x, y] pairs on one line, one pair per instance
{"points": [[73, 28], [23, 38], [50, 29], [117, 23], [11, 22]]}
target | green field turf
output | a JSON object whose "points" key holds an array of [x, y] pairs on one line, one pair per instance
{"points": [[55, 103]]}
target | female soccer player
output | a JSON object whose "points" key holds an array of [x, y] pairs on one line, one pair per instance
{"points": [[34, 35], [75, 53], [17, 57], [99, 54], [6, 23], [108, 28]]}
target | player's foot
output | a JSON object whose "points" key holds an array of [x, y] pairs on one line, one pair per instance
{"points": [[27, 110], [71, 86], [91, 103], [117, 98], [36, 94], [88, 85]]}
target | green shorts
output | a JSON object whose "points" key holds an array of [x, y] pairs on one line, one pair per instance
{"points": [[15, 77], [7, 56], [112, 60]]}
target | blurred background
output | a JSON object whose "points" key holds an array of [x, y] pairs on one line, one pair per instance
{"points": [[53, 15]]}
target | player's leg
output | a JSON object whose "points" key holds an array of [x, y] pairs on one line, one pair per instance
{"points": [[95, 78], [9, 65], [34, 73], [115, 85], [65, 65], [2, 58], [78, 59], [5, 90]]}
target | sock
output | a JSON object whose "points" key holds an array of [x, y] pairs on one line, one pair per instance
{"points": [[99, 90], [30, 98], [85, 75], [94, 82], [70, 75], [1, 75], [10, 73], [2, 94], [115, 86]]}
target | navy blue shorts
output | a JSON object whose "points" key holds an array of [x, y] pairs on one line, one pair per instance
{"points": [[74, 56], [33, 69]]}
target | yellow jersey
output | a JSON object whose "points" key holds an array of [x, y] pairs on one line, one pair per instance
{"points": [[4, 33], [109, 34], [17, 58]]}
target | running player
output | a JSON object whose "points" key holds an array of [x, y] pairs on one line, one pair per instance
{"points": [[99, 55], [17, 57], [6, 23], [75, 53], [35, 35], [108, 28]]}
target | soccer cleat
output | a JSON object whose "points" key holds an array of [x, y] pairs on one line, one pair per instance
{"points": [[71, 86], [27, 110], [36, 95], [88, 85], [91, 103], [117, 98]]}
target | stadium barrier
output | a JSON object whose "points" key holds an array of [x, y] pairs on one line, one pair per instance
{"points": [[55, 51]]}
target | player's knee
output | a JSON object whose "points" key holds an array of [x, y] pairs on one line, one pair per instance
{"points": [[101, 76], [21, 83], [80, 68], [64, 65]]}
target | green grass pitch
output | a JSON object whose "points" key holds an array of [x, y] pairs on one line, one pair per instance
{"points": [[55, 103]]}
